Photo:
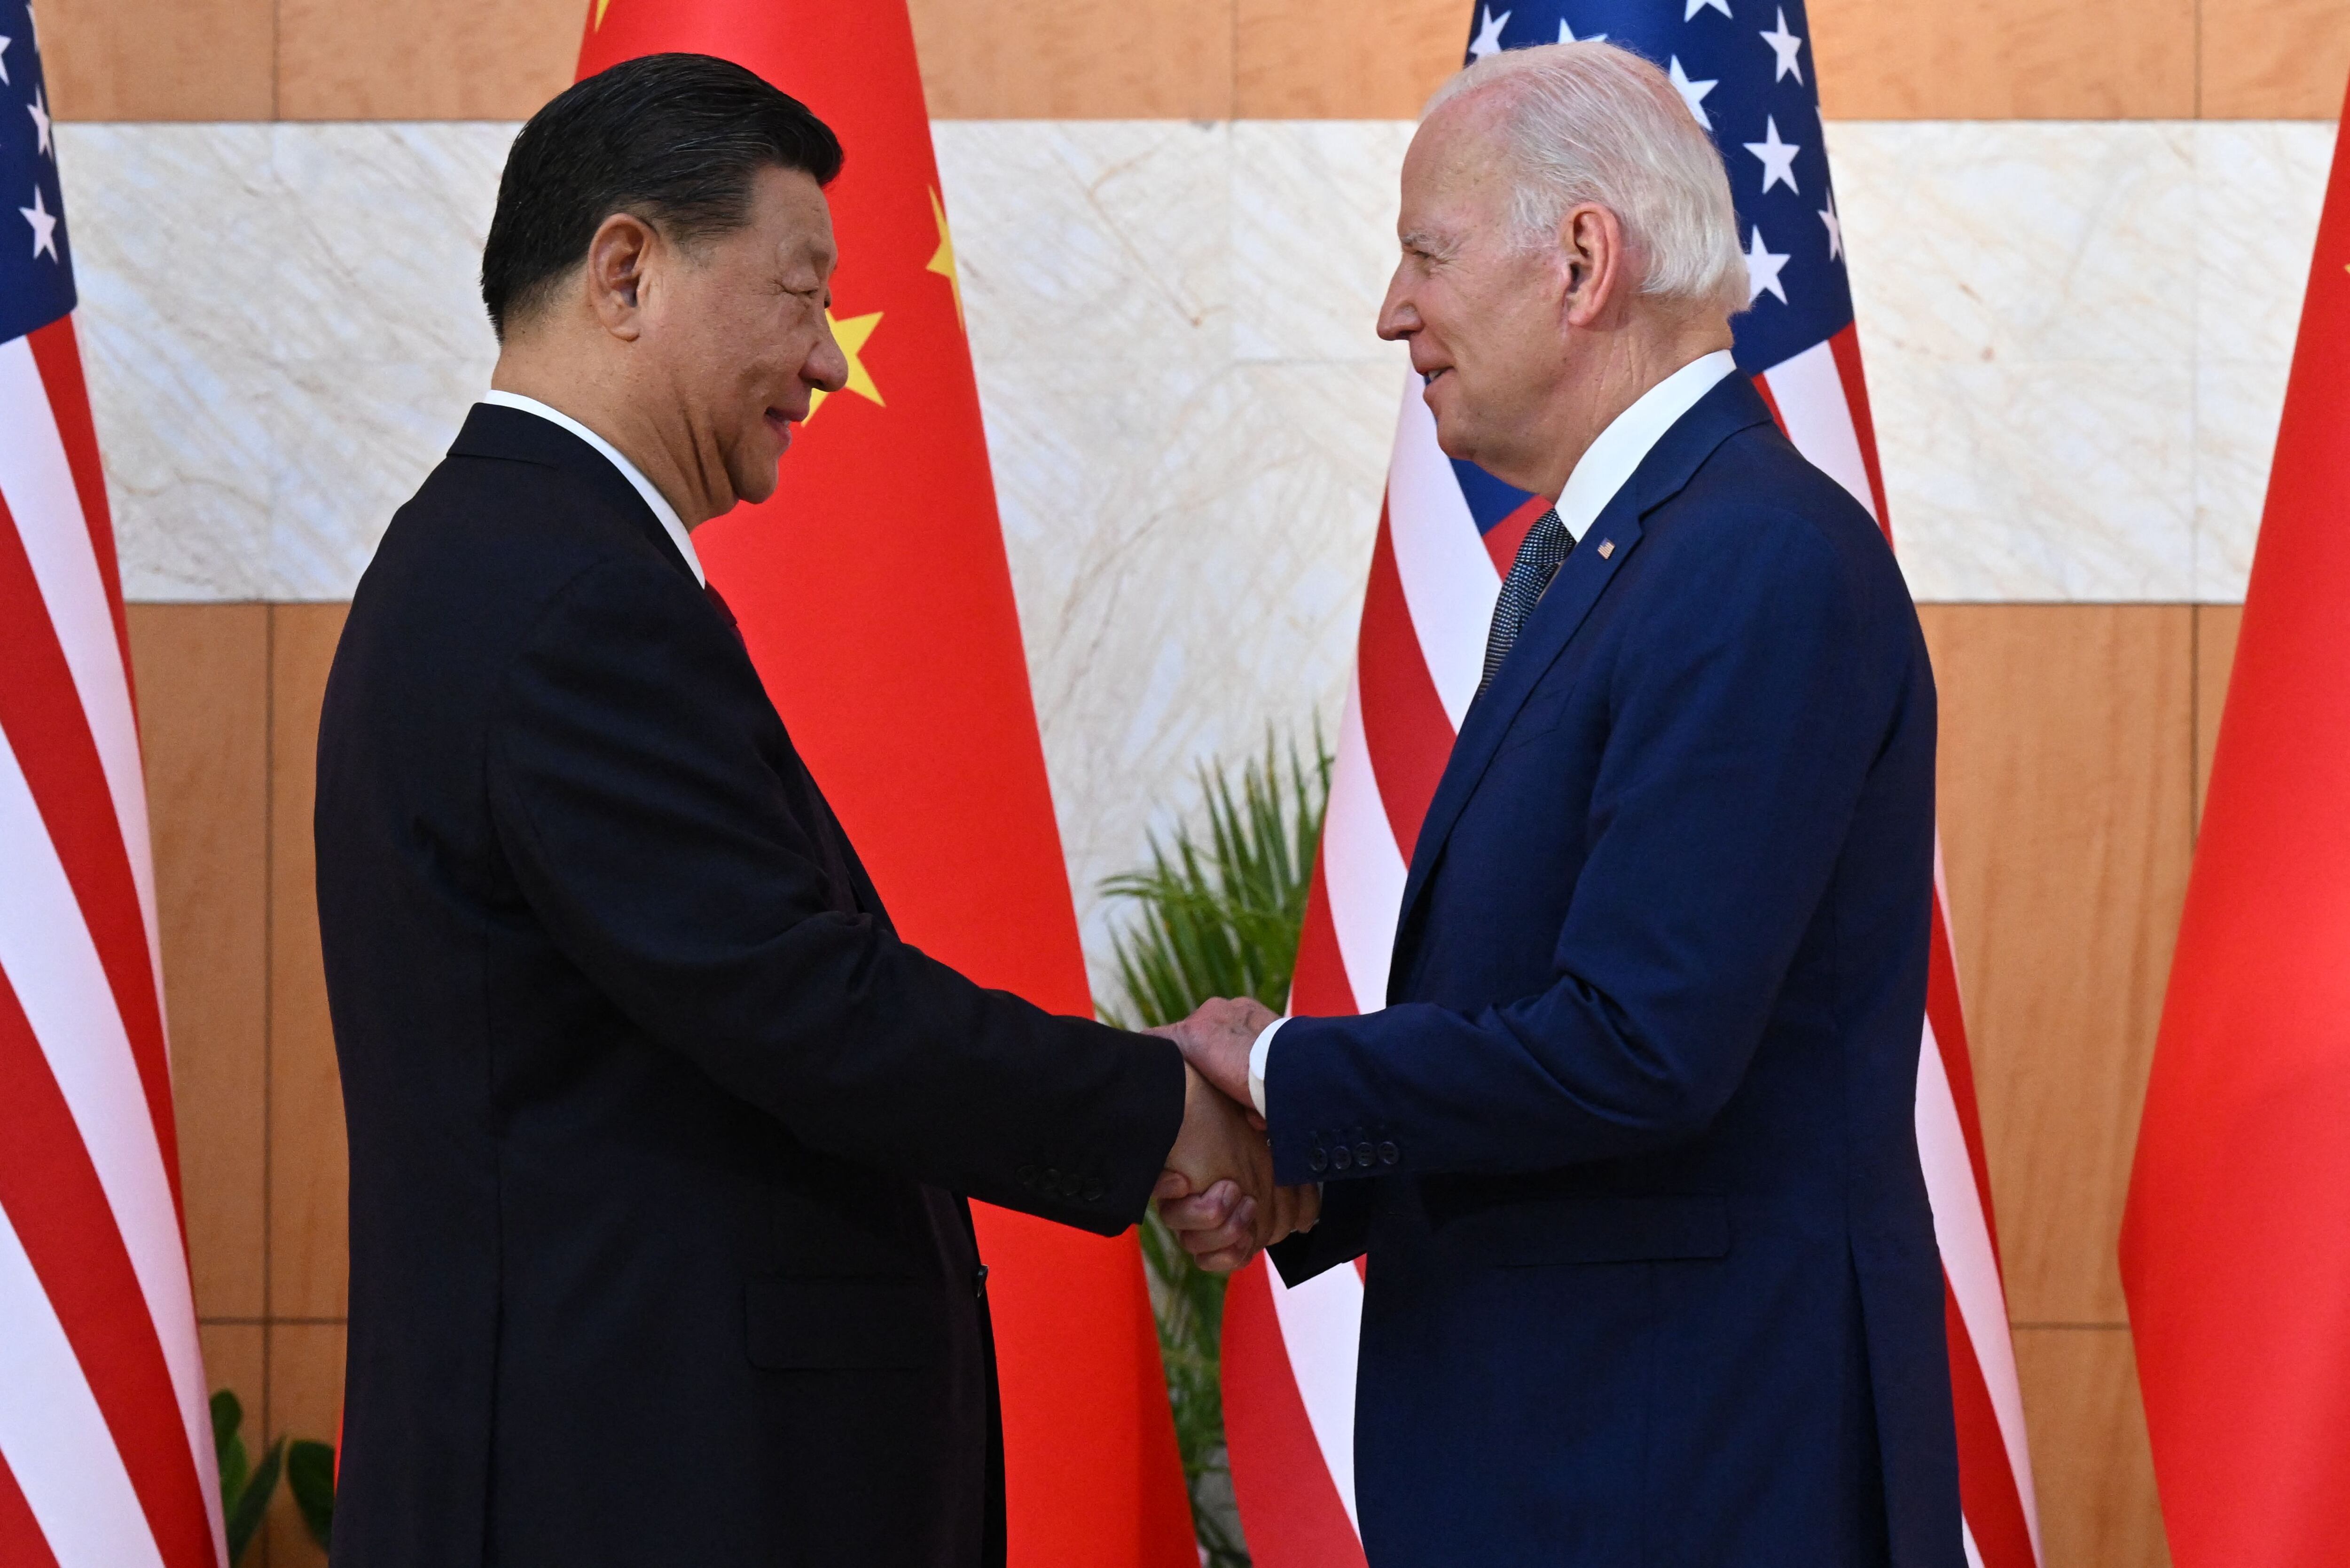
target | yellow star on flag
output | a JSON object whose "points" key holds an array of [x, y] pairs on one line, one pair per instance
{"points": [[597, 25], [850, 335], [943, 262]]}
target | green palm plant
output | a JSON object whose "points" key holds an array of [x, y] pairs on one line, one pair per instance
{"points": [[1219, 915]]}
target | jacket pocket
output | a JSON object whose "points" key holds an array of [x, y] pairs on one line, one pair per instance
{"points": [[1547, 1231], [826, 1325]]}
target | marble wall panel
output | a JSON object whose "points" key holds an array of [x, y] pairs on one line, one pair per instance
{"points": [[2076, 335], [175, 231], [1189, 477], [1314, 236], [1100, 240], [2259, 187], [2031, 363], [2073, 403], [282, 333]]}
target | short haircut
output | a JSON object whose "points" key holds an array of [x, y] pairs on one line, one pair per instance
{"points": [[673, 140], [1592, 122]]}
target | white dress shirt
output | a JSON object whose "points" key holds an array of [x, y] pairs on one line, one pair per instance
{"points": [[1599, 473], [670, 523]]}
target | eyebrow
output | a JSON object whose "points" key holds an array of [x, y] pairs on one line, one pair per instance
{"points": [[1425, 240]]}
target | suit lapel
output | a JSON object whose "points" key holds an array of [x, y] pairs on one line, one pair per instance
{"points": [[1606, 546]]}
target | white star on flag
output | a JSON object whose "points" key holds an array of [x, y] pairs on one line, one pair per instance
{"points": [[1489, 36], [3, 57], [1566, 37], [40, 119], [1784, 44], [44, 225], [1692, 93], [1697, 6], [1763, 271], [1836, 228], [1778, 157]]}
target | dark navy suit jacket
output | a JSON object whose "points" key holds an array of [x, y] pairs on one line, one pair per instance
{"points": [[1651, 1277], [660, 1135]]}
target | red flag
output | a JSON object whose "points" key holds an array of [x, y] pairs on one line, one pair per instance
{"points": [[2236, 1245], [875, 596]]}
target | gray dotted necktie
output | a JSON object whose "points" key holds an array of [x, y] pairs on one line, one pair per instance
{"points": [[1547, 545]]}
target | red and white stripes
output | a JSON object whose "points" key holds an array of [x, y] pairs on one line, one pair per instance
{"points": [[106, 1454], [1289, 1354]]}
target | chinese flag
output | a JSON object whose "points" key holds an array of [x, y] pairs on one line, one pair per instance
{"points": [[2236, 1248], [874, 593]]}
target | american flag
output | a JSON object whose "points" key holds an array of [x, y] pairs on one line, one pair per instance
{"points": [[1447, 535], [106, 1455]]}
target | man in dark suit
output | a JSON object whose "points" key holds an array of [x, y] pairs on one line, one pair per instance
{"points": [[659, 1137], [1651, 1276]]}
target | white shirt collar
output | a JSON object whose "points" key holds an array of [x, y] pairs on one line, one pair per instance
{"points": [[670, 521], [1611, 459]]}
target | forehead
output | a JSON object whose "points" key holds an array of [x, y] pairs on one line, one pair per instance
{"points": [[1454, 169], [789, 213]]}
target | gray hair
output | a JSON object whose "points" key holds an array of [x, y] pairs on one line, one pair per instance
{"points": [[1592, 122]]}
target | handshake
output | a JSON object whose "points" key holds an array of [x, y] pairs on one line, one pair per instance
{"points": [[1217, 1194]]}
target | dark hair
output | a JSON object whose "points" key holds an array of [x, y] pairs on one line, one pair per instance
{"points": [[673, 140]]}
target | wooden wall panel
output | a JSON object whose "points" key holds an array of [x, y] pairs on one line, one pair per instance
{"points": [[1075, 59], [2089, 1454], [202, 674], [2004, 59], [2066, 779], [2216, 627], [431, 60], [1199, 59], [158, 59], [2274, 59], [305, 1400], [236, 1358], [310, 1170], [1292, 63]]}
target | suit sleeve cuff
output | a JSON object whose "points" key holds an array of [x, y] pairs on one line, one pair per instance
{"points": [[1258, 1054]]}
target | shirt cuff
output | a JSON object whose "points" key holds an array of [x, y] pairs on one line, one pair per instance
{"points": [[1257, 1055]]}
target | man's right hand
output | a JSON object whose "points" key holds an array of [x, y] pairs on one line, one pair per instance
{"points": [[1218, 1194]]}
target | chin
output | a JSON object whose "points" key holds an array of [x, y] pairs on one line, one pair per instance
{"points": [[757, 487]]}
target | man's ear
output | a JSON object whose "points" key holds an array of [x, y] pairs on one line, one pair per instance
{"points": [[1591, 246], [618, 258]]}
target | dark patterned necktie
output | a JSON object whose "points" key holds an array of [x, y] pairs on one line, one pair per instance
{"points": [[1547, 545]]}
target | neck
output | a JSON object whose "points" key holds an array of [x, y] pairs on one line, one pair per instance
{"points": [[605, 393], [1622, 367]]}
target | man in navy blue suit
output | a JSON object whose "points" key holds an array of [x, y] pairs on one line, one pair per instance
{"points": [[1651, 1276]]}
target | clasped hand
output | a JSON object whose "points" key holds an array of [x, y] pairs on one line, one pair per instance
{"points": [[1218, 1194]]}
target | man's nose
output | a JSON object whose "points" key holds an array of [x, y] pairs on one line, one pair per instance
{"points": [[1397, 317], [827, 367]]}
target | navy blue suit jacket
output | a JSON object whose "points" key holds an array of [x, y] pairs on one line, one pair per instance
{"points": [[1651, 1276]]}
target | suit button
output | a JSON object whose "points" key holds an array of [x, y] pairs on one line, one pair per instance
{"points": [[1052, 1179], [1390, 1154], [1316, 1160], [1365, 1154], [1341, 1158], [1093, 1192], [1027, 1175]]}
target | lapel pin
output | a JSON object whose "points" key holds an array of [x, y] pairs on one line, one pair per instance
{"points": [[1606, 548]]}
